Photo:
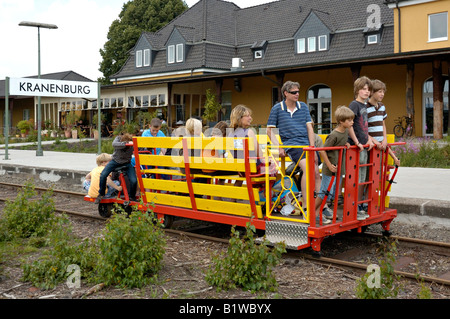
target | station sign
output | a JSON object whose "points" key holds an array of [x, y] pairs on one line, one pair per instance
{"points": [[53, 88]]}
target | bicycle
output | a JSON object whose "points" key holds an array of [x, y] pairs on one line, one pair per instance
{"points": [[403, 126]]}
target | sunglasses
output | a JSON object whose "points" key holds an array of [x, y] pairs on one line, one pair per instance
{"points": [[293, 92]]}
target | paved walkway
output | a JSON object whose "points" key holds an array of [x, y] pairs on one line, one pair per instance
{"points": [[424, 191]]}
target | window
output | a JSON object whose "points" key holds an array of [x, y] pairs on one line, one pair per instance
{"points": [[147, 57], [372, 39], [322, 43], [139, 58], [180, 56], [26, 114], [145, 101], [258, 54], [162, 99], [301, 45], [438, 26], [428, 107], [171, 54], [131, 101], [311, 44], [153, 100]]}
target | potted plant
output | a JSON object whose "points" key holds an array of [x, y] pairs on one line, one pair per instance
{"points": [[24, 126], [71, 120]]}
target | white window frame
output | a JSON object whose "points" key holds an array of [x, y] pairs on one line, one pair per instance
{"points": [[180, 52], [171, 54], [311, 44], [146, 57], [139, 58], [258, 54], [372, 39], [430, 16], [301, 45], [326, 44]]}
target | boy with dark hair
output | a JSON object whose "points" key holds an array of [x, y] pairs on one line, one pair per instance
{"points": [[155, 131], [358, 134], [123, 152]]}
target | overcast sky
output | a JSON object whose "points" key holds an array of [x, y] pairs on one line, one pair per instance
{"points": [[74, 46]]}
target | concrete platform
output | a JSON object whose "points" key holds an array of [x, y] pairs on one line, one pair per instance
{"points": [[420, 191]]}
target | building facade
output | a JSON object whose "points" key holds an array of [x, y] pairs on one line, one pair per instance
{"points": [[245, 55]]}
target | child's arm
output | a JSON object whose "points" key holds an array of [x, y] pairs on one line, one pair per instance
{"points": [[396, 160], [384, 141], [110, 183], [351, 133], [327, 162]]}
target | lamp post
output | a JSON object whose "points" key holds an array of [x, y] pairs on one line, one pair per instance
{"points": [[38, 25]]}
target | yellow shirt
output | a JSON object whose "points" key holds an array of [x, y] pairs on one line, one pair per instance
{"points": [[95, 181]]}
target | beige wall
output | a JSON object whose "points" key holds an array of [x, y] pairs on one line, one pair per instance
{"points": [[414, 26]]}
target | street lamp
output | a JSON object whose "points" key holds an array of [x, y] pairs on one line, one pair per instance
{"points": [[38, 25]]}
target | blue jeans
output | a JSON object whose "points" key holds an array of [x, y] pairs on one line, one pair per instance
{"points": [[130, 171]]}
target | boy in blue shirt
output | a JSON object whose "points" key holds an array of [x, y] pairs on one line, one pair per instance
{"points": [[155, 131]]}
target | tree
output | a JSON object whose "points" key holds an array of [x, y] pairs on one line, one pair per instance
{"points": [[136, 17]]}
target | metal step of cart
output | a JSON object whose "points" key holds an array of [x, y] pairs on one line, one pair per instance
{"points": [[293, 234]]}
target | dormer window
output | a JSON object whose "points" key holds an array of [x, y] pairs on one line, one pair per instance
{"points": [[139, 58], [146, 57], [142, 58], [258, 54], [259, 49], [373, 35], [180, 54], [312, 44], [323, 43], [372, 39], [301, 47], [175, 53]]}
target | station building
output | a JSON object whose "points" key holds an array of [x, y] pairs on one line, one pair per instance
{"points": [[245, 55]]}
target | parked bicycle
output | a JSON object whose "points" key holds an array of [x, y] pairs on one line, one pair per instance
{"points": [[403, 126]]}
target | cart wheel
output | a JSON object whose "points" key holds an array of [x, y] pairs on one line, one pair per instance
{"points": [[127, 209], [398, 130], [167, 221], [105, 209]]}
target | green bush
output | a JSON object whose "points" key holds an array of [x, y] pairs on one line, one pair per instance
{"points": [[28, 215], [131, 250], [63, 250], [388, 285], [246, 264]]}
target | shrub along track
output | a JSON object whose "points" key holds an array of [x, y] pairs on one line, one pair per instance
{"points": [[333, 275]]}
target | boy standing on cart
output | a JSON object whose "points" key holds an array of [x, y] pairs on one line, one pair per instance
{"points": [[338, 137], [358, 134]]}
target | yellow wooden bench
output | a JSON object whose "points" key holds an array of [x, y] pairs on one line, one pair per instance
{"points": [[179, 179]]}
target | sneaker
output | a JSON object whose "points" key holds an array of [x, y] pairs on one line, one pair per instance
{"points": [[325, 221], [361, 215], [327, 213], [98, 199]]}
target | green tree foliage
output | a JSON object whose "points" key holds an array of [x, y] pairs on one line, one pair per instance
{"points": [[136, 17]]}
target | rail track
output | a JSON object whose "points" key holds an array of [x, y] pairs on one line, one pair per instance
{"points": [[441, 249]]}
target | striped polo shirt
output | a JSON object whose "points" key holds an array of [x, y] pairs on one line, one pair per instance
{"points": [[291, 126], [375, 117]]}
